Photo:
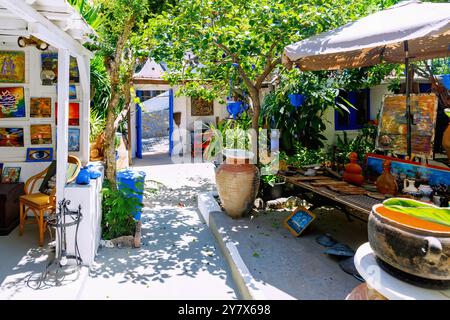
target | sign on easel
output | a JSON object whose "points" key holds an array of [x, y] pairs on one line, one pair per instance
{"points": [[298, 220]]}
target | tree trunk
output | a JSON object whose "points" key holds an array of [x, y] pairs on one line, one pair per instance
{"points": [[110, 133], [254, 94]]}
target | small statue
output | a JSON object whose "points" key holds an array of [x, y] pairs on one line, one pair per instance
{"points": [[386, 183], [352, 173]]}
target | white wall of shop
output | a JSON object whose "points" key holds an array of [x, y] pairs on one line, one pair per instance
{"points": [[33, 88]]}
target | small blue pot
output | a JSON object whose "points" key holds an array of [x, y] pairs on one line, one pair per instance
{"points": [[446, 81], [296, 99], [234, 108]]}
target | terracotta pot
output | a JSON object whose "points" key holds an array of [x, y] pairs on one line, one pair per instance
{"points": [[386, 183], [446, 141], [237, 183], [353, 171], [410, 244]]}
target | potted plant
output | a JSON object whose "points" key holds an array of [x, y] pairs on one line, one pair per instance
{"points": [[273, 186], [296, 99]]}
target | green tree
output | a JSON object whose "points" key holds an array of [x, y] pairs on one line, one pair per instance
{"points": [[207, 42]]}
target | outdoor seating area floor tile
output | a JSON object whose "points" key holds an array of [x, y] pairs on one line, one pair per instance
{"points": [[296, 266]]}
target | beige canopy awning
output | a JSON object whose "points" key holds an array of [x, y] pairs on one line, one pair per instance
{"points": [[376, 38]]}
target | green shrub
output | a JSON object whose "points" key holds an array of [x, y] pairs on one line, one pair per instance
{"points": [[118, 206]]}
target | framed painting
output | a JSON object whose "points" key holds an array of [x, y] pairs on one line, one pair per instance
{"points": [[401, 169], [298, 220], [11, 137], [40, 107], [12, 66], [1, 168], [74, 114], [39, 154], [11, 174], [201, 107], [72, 92], [49, 63], [41, 133], [392, 128], [12, 102], [74, 139]]}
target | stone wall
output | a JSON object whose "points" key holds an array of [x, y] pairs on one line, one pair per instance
{"points": [[155, 124]]}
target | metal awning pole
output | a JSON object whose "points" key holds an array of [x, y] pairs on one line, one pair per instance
{"points": [[408, 101]]}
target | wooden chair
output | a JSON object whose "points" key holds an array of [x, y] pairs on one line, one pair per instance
{"points": [[39, 203]]}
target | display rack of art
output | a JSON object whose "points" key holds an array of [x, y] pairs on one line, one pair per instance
{"points": [[12, 102], [392, 131], [11, 137], [49, 62], [12, 66], [41, 134], [40, 107], [201, 107]]}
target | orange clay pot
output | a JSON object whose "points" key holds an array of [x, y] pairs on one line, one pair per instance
{"points": [[237, 184], [353, 171], [386, 183]]}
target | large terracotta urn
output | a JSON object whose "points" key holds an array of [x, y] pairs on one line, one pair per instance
{"points": [[446, 136], [237, 182], [410, 244]]}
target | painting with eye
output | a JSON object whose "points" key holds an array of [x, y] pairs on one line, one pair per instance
{"points": [[39, 154]]}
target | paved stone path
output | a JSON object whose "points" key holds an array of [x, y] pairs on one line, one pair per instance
{"points": [[178, 258]]}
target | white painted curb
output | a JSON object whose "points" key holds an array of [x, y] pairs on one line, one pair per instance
{"points": [[248, 287]]}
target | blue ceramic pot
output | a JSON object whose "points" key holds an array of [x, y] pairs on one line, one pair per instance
{"points": [[296, 99], [446, 81], [234, 108]]}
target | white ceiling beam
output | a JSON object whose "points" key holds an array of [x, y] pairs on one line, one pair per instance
{"points": [[44, 29]]}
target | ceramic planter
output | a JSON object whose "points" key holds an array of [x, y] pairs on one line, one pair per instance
{"points": [[296, 99], [446, 136], [446, 81], [237, 182], [234, 107], [410, 244]]}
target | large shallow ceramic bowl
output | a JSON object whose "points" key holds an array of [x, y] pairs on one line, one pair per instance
{"points": [[410, 244]]}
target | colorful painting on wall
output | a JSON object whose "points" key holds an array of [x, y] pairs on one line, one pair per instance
{"points": [[74, 139], [11, 137], [12, 103], [201, 107], [49, 61], [11, 174], [41, 133], [393, 126], [40, 107], [12, 66], [39, 154], [402, 169], [74, 114], [72, 92]]}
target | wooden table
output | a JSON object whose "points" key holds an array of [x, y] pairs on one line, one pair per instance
{"points": [[358, 206]]}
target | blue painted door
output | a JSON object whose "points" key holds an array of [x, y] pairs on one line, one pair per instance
{"points": [[138, 127], [170, 121]]}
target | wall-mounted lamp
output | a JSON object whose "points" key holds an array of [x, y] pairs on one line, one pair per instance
{"points": [[32, 41]]}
